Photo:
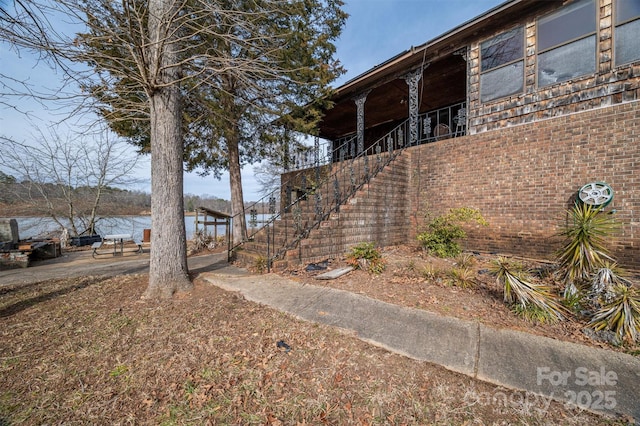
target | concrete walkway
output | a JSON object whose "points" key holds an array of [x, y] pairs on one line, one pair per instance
{"points": [[593, 379]]}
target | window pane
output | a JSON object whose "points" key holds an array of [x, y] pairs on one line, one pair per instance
{"points": [[502, 49], [572, 60], [626, 10], [502, 82], [571, 22], [627, 46]]}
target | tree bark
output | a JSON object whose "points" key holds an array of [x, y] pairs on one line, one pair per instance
{"points": [[237, 197], [168, 272]]}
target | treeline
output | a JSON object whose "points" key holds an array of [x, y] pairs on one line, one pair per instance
{"points": [[192, 202], [22, 199]]}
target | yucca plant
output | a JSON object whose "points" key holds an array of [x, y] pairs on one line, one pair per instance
{"points": [[621, 315], [519, 289], [465, 260], [605, 279], [430, 272], [584, 249], [462, 277]]}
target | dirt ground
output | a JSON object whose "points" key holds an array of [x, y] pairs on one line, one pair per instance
{"points": [[403, 282], [88, 350]]}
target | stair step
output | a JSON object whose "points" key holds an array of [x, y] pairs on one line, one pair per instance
{"points": [[339, 229]]}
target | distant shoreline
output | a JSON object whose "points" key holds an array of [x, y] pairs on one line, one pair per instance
{"points": [[145, 213]]}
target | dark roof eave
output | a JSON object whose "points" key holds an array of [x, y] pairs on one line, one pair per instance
{"points": [[214, 213], [415, 53]]}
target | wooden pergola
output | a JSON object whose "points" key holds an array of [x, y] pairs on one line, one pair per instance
{"points": [[214, 218]]}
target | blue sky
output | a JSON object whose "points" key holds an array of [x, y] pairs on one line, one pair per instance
{"points": [[375, 31]]}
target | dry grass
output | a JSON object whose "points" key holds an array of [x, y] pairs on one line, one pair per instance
{"points": [[89, 351]]}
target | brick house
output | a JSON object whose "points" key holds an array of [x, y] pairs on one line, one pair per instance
{"points": [[511, 113]]}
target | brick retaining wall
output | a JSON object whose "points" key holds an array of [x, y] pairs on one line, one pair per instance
{"points": [[523, 178]]}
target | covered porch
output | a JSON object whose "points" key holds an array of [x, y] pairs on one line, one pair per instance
{"points": [[403, 104]]}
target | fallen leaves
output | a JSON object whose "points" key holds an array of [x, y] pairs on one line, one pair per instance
{"points": [[404, 283], [211, 358]]}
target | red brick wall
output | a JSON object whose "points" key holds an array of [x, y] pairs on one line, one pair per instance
{"points": [[522, 179]]}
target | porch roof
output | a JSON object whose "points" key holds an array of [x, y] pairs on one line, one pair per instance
{"points": [[440, 64]]}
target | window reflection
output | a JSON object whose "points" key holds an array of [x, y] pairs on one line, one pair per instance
{"points": [[567, 43], [502, 65], [627, 32]]}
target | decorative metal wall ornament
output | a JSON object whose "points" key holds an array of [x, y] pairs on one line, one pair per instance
{"points": [[360, 100], [316, 150], [316, 143], [461, 121], [412, 80], [426, 126], [286, 158]]}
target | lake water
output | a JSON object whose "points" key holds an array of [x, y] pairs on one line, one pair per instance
{"points": [[40, 226], [29, 227]]}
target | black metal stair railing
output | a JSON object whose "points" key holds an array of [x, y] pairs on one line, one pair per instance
{"points": [[311, 195], [269, 208]]}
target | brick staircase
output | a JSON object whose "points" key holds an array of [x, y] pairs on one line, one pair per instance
{"points": [[364, 201]]}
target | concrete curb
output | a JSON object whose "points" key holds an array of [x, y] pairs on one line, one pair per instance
{"points": [[591, 378]]}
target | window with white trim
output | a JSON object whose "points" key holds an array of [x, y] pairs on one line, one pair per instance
{"points": [[567, 43], [502, 65], [627, 32]]}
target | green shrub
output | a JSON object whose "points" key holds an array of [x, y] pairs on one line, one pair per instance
{"points": [[443, 233], [533, 313], [260, 264], [367, 257]]}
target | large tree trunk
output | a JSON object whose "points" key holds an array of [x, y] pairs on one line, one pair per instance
{"points": [[237, 198], [168, 271]]}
